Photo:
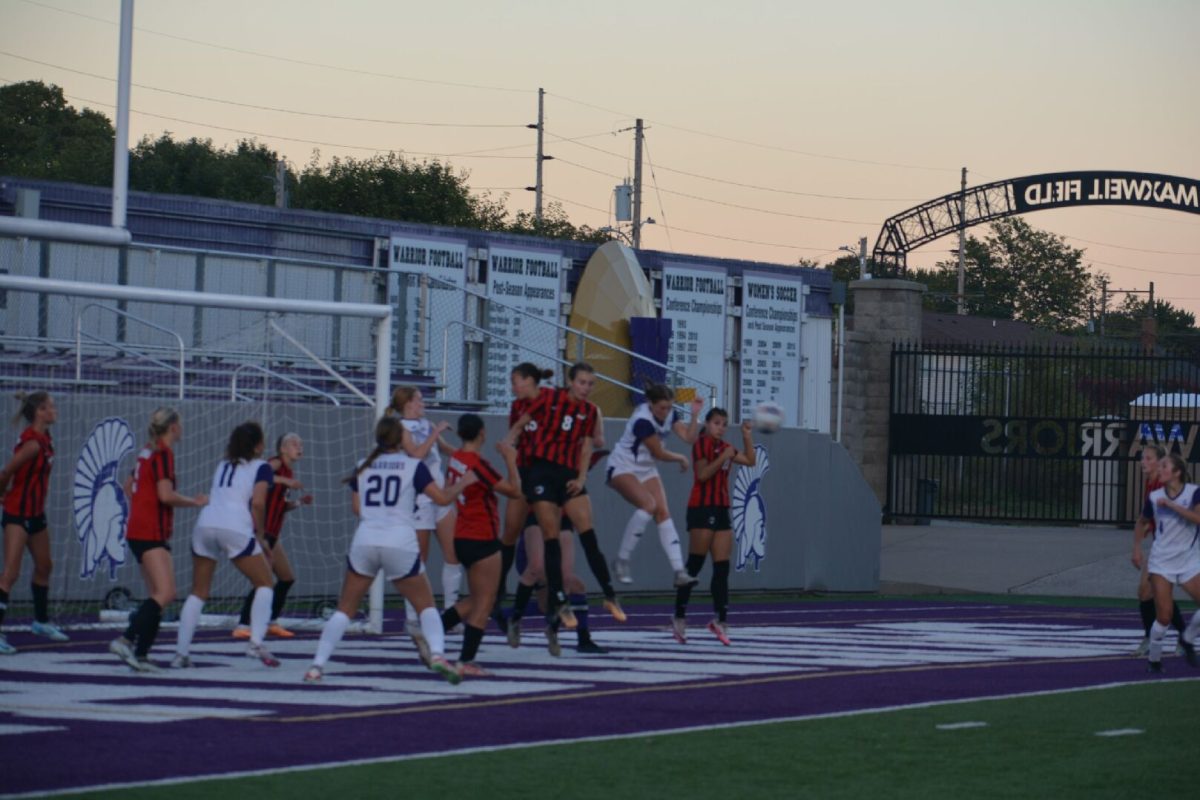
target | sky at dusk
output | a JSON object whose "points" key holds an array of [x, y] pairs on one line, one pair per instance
{"points": [[775, 130]]}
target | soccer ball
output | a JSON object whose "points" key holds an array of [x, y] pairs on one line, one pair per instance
{"points": [[768, 417]]}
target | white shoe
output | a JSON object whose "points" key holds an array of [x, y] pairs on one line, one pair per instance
{"points": [[552, 641], [441, 666], [684, 578], [314, 674], [50, 631], [6, 649], [621, 570], [1142, 648], [181, 661], [122, 649], [262, 654], [146, 665], [679, 629]]}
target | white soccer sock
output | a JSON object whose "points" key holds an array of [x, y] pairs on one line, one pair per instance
{"points": [[260, 613], [189, 618], [633, 532], [668, 537], [331, 634], [1157, 631], [1193, 628], [451, 581], [431, 626]]}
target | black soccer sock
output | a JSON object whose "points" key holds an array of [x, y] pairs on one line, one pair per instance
{"points": [[3, 605], [508, 554], [135, 624], [720, 588], [1177, 618], [521, 602], [683, 594], [147, 619], [450, 618], [1146, 607], [244, 619], [554, 578], [41, 602], [595, 559], [472, 636], [279, 600]]}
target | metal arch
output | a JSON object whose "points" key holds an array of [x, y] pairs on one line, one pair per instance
{"points": [[934, 219]]}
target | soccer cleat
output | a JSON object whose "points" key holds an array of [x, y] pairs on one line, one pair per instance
{"points": [[683, 578], [278, 631], [6, 649], [1189, 651], [1142, 648], [552, 641], [122, 649], [720, 630], [423, 651], [442, 667], [679, 629], [613, 606], [469, 669], [567, 617], [262, 654], [501, 621], [314, 674], [514, 633], [181, 661], [50, 631], [588, 647], [146, 665], [1154, 667], [621, 570], [242, 632]]}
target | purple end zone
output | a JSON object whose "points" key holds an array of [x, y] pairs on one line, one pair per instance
{"points": [[78, 752]]}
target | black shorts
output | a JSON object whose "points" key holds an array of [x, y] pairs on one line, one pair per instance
{"points": [[471, 550], [547, 482], [139, 548], [270, 540], [709, 518], [31, 525]]}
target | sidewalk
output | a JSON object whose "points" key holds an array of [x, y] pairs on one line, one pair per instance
{"points": [[953, 557]]}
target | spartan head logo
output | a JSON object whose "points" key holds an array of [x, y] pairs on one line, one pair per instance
{"points": [[750, 512], [99, 503]]}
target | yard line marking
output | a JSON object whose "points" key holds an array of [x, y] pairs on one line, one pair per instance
{"points": [[14, 730], [959, 726], [1121, 732]]}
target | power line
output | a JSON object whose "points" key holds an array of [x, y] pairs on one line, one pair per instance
{"points": [[267, 108], [654, 179], [1134, 249]]}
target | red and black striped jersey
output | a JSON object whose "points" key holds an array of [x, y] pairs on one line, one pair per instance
{"points": [[151, 520], [562, 425], [31, 482], [277, 498], [524, 444], [478, 516], [714, 491]]}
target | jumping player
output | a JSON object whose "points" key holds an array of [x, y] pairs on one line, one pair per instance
{"points": [[289, 449], [1151, 455], [152, 503], [385, 488], [566, 423], [25, 512], [632, 472], [709, 526], [233, 524], [477, 534], [1174, 511]]}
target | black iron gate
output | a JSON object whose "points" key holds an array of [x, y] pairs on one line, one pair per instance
{"points": [[1038, 434]]}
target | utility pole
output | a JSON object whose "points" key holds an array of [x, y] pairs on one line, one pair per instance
{"points": [[540, 127], [1103, 305], [281, 198], [862, 258], [120, 193], [962, 245], [637, 185]]}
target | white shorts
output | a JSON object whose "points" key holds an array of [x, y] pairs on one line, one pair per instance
{"points": [[215, 542], [396, 562], [643, 473], [1177, 570], [429, 513]]}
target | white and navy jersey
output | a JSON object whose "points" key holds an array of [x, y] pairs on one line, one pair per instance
{"points": [[229, 499], [420, 430], [630, 450], [387, 500], [1174, 536]]}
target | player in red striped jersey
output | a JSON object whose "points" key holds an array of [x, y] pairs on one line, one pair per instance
{"points": [[477, 534], [152, 503], [709, 526], [566, 425], [526, 381], [25, 512], [289, 449]]}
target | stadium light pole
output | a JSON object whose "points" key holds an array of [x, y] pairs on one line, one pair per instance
{"points": [[120, 190], [861, 252]]}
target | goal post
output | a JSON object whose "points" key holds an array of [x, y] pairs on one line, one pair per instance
{"points": [[212, 413]]}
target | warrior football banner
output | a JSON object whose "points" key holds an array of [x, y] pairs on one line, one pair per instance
{"points": [[693, 298], [525, 287], [425, 308]]}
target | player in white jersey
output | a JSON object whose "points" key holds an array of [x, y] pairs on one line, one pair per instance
{"points": [[632, 471], [423, 440], [233, 524], [1174, 510], [386, 487]]}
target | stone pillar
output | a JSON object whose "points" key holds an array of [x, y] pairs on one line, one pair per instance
{"points": [[885, 311]]}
